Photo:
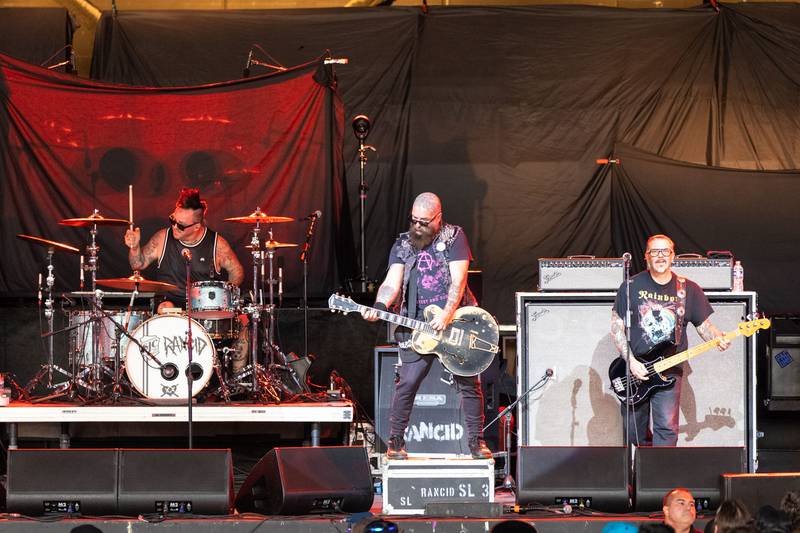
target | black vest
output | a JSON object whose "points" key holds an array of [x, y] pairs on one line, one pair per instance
{"points": [[172, 266]]}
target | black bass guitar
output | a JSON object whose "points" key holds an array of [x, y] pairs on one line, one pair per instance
{"points": [[466, 347], [655, 361]]}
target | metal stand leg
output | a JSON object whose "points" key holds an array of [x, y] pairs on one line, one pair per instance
{"points": [[12, 436], [315, 433]]}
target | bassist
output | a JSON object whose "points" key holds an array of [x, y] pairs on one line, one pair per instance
{"points": [[662, 304], [428, 265]]}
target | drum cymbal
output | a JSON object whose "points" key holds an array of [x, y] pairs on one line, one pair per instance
{"points": [[272, 245], [257, 217], [60, 246], [135, 281], [91, 220]]}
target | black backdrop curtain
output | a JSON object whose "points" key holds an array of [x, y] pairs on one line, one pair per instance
{"points": [[35, 34], [502, 111], [69, 146]]}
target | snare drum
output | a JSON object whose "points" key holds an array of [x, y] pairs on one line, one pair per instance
{"points": [[214, 299], [165, 337], [80, 338]]}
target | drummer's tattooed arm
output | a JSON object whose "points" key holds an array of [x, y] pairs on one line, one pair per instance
{"points": [[140, 258], [228, 261]]}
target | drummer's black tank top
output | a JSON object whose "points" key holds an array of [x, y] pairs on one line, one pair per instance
{"points": [[172, 266]]}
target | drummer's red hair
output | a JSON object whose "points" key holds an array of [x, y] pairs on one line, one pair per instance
{"points": [[190, 199]]}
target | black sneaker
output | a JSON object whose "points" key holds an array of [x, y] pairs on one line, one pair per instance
{"points": [[397, 448], [478, 448]]}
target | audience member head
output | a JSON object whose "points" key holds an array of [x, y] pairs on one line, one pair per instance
{"points": [[513, 526], [679, 510], [770, 520], [731, 514], [790, 504]]}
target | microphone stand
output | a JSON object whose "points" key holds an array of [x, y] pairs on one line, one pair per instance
{"points": [[508, 480], [629, 414], [189, 369], [304, 260]]}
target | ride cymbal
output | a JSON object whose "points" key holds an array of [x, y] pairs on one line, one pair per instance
{"points": [[60, 246], [136, 281], [93, 219], [257, 217]]}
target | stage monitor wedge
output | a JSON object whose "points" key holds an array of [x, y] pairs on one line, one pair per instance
{"points": [[303, 480]]}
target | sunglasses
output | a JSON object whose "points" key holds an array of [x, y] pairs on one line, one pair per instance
{"points": [[660, 252], [422, 222], [180, 226]]}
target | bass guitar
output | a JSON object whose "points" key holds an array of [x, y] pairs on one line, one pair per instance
{"points": [[466, 347], [656, 362]]}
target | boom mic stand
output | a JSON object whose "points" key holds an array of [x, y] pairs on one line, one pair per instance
{"points": [[361, 126], [187, 255]]}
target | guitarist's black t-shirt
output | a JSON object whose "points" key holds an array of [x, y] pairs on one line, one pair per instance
{"points": [[653, 312]]}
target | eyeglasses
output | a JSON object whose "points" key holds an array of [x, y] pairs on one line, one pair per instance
{"points": [[422, 222], [180, 226], [659, 252]]}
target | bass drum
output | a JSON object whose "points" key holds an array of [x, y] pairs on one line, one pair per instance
{"points": [[166, 338]]}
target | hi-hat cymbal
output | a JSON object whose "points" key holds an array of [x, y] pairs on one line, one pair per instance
{"points": [[257, 217], [272, 245], [60, 246], [91, 220], [137, 282]]}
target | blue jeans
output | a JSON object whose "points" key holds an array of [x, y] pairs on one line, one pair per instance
{"points": [[664, 406], [411, 376]]}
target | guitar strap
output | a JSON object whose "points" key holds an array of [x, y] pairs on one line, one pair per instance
{"points": [[411, 307], [680, 310]]}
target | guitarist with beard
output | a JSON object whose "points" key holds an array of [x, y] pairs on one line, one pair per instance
{"points": [[660, 301], [428, 265]]}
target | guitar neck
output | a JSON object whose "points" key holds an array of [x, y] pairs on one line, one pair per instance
{"points": [[679, 358], [417, 325]]}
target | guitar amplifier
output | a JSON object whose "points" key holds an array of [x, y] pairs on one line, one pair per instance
{"points": [[710, 274], [580, 273]]}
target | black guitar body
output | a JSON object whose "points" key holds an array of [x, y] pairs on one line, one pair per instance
{"points": [[640, 390]]}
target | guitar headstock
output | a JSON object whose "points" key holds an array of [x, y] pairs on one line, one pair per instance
{"points": [[748, 328], [337, 302]]}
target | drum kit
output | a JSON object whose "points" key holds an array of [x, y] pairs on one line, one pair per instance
{"points": [[126, 353]]}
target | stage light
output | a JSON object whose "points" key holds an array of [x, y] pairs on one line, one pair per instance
{"points": [[375, 526], [361, 126]]}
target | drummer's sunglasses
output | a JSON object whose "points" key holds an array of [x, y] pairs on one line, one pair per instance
{"points": [[179, 225]]}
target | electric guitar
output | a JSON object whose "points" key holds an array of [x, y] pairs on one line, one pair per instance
{"points": [[466, 347], [655, 361]]}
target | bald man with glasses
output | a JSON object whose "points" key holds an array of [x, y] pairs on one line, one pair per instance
{"points": [[662, 304], [428, 265]]}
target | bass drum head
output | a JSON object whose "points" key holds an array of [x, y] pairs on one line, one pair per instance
{"points": [[166, 338]]}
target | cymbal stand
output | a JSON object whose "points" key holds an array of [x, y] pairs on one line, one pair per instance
{"points": [[254, 311], [49, 314], [95, 373]]}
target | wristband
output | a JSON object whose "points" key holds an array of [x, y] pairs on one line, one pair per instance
{"points": [[380, 306]]}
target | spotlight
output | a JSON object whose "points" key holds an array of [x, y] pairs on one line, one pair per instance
{"points": [[370, 525], [361, 126]]}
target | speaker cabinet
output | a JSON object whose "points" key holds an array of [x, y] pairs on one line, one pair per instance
{"points": [[582, 476], [659, 470], [570, 334], [175, 481], [297, 481], [757, 490], [437, 421], [43, 481]]}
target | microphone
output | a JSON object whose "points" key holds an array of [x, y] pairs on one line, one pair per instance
{"points": [[549, 372], [246, 71], [608, 161], [627, 257], [313, 216], [187, 254]]}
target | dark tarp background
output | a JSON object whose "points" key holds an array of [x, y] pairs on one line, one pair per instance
{"points": [[70, 145], [503, 111], [35, 35]]}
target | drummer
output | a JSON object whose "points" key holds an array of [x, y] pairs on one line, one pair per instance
{"points": [[210, 253]]}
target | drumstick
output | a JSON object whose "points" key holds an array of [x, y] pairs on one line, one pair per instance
{"points": [[130, 205]]}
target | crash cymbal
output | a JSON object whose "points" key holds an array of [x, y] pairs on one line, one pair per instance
{"points": [[137, 281], [91, 220], [257, 217], [60, 246], [272, 245]]}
